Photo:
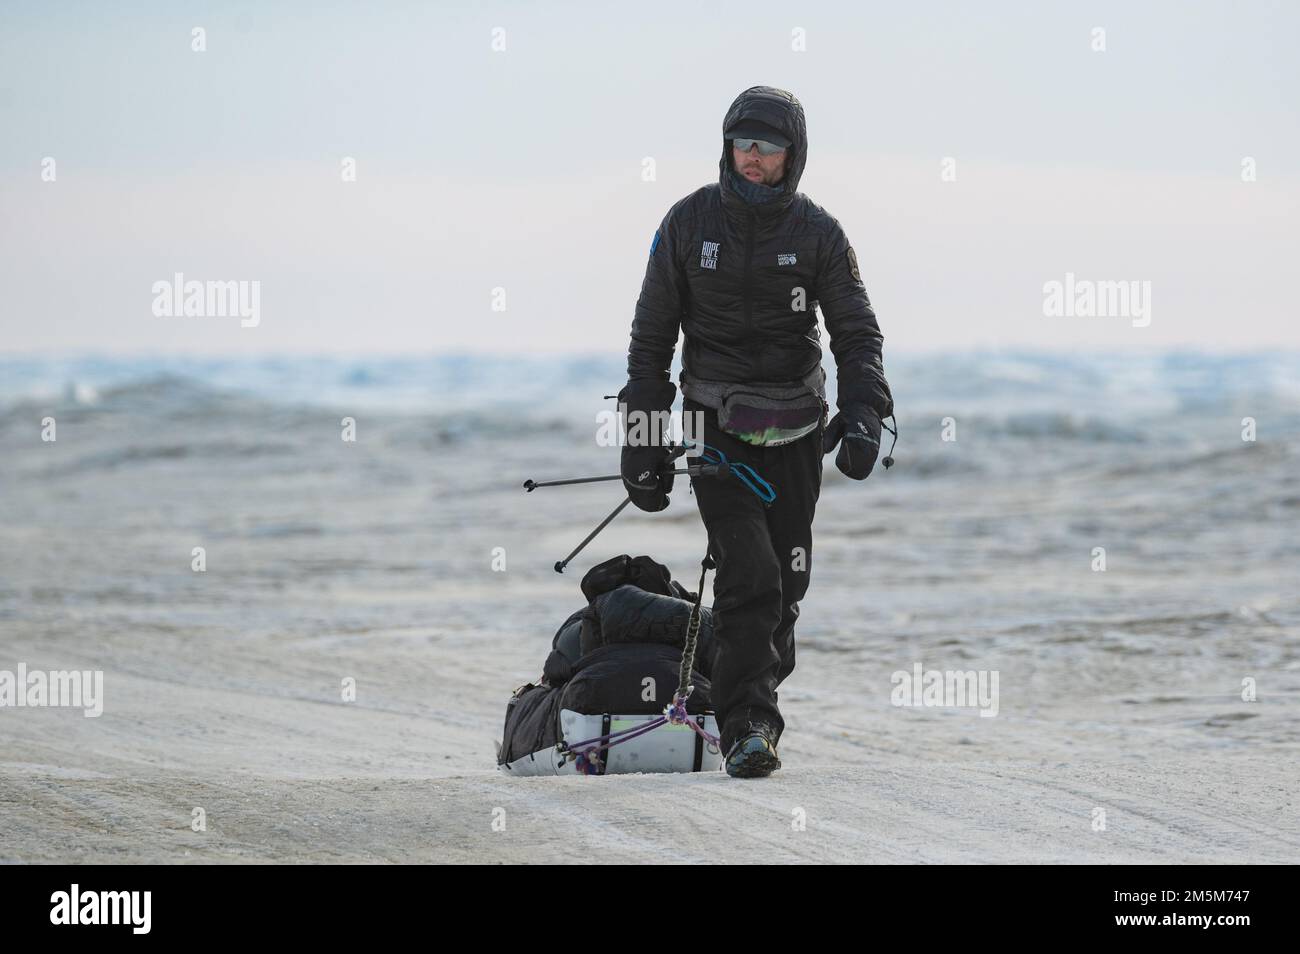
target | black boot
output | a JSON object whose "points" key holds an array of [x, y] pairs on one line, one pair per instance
{"points": [[754, 753]]}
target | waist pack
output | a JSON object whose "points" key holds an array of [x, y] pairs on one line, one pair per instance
{"points": [[766, 414]]}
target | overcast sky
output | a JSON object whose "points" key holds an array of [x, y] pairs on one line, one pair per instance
{"points": [[522, 168]]}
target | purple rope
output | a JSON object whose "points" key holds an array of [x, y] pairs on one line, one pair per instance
{"points": [[588, 758], [614, 735], [586, 755], [676, 714], [708, 736]]}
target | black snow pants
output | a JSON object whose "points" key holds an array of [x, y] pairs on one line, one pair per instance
{"points": [[764, 562]]}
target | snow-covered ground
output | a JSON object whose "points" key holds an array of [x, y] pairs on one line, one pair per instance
{"points": [[1122, 734]]}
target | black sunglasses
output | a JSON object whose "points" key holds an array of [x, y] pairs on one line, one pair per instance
{"points": [[764, 148]]}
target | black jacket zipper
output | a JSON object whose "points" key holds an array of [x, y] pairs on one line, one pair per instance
{"points": [[749, 258]]}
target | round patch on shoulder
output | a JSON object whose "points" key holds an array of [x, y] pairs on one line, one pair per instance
{"points": [[853, 264]]}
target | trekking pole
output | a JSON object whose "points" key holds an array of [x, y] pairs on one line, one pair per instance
{"points": [[694, 470], [716, 465], [561, 564]]}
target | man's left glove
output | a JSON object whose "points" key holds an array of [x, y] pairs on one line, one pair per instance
{"points": [[856, 428], [646, 466]]}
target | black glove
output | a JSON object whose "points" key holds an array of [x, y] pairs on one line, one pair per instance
{"points": [[647, 475], [859, 426], [643, 467]]}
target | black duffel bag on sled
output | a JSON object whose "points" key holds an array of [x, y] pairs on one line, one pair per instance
{"points": [[614, 666]]}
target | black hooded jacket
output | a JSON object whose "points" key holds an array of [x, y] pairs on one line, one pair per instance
{"points": [[727, 273]]}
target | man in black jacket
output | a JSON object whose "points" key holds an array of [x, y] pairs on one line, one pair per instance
{"points": [[739, 267]]}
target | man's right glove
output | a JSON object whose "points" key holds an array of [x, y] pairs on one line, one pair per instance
{"points": [[646, 467], [859, 427], [647, 475]]}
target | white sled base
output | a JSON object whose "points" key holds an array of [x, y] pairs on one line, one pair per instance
{"points": [[668, 748]]}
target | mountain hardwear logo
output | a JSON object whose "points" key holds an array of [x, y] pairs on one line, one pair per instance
{"points": [[786, 258], [709, 255]]}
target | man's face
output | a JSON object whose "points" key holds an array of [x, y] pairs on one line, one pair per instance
{"points": [[766, 170]]}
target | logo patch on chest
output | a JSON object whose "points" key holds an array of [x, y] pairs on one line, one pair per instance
{"points": [[709, 255], [786, 258]]}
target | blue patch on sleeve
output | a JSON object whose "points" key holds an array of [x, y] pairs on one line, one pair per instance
{"points": [[654, 243]]}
